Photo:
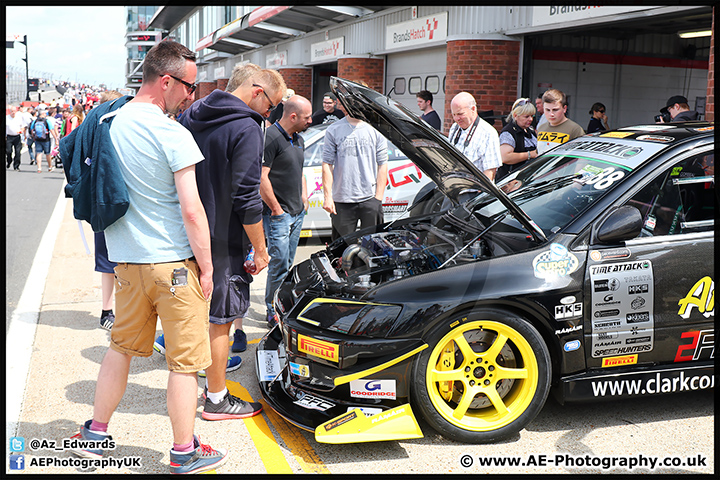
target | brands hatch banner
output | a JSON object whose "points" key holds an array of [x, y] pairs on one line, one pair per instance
{"points": [[568, 13], [327, 50], [430, 29]]}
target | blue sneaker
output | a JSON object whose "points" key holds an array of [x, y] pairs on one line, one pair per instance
{"points": [[159, 345], [232, 365], [89, 441], [239, 341], [202, 459]]}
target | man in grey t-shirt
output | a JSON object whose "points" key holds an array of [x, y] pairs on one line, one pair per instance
{"points": [[354, 174]]}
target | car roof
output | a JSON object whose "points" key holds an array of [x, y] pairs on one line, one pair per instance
{"points": [[660, 132]]}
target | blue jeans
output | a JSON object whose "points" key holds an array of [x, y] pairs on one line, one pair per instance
{"points": [[283, 234]]}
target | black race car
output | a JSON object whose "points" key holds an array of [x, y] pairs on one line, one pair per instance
{"points": [[589, 273]]}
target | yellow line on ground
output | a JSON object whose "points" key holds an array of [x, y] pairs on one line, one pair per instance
{"points": [[270, 452], [294, 439]]}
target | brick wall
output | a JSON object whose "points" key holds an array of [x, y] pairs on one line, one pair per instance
{"points": [[369, 70], [710, 99], [222, 83], [487, 69], [203, 90], [299, 79]]}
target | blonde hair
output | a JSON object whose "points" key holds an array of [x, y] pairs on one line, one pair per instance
{"points": [[521, 106], [108, 95], [270, 80], [240, 73]]}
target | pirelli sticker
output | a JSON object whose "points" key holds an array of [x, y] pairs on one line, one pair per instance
{"points": [[621, 308], [620, 361], [318, 348]]}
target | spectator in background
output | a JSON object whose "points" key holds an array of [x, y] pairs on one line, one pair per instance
{"points": [[679, 110], [473, 136], [14, 129], [558, 129], [539, 113], [518, 141], [277, 113], [424, 102], [45, 132], [329, 113], [354, 175], [75, 119], [599, 121], [28, 115]]}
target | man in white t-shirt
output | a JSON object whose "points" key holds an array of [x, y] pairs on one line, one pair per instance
{"points": [[473, 136], [162, 248]]}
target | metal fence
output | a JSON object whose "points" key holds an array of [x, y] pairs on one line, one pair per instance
{"points": [[15, 84]]}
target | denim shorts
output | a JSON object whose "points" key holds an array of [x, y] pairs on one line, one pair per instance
{"points": [[145, 291], [43, 145]]}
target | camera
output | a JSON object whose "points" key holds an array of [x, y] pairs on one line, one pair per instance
{"points": [[665, 118]]}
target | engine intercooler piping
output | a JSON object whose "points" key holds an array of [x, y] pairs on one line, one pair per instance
{"points": [[355, 250]]}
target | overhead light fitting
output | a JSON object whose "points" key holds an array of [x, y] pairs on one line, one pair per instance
{"points": [[695, 33]]}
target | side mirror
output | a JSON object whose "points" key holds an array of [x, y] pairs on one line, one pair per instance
{"points": [[625, 223]]}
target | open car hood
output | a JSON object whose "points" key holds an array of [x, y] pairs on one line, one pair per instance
{"points": [[431, 151]]}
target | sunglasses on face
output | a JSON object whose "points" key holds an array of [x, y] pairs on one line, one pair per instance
{"points": [[191, 86], [272, 105]]}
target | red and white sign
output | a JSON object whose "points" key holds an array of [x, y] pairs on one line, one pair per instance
{"points": [[427, 30], [328, 50]]}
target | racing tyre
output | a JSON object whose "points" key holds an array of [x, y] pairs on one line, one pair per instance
{"points": [[483, 378]]}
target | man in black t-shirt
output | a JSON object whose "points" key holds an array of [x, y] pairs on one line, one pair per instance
{"points": [[330, 113], [424, 102], [284, 192]]}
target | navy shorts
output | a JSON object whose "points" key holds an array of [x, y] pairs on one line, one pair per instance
{"points": [[231, 286], [102, 264], [43, 145]]}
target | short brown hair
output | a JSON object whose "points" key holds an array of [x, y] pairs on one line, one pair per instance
{"points": [[166, 58], [553, 96]]}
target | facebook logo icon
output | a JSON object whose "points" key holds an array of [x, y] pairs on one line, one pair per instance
{"points": [[17, 462]]}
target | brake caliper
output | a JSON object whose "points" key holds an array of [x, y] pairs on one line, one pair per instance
{"points": [[446, 362]]}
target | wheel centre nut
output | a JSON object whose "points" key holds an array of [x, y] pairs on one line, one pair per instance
{"points": [[479, 372]]}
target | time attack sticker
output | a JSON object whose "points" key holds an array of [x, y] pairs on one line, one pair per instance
{"points": [[622, 308]]}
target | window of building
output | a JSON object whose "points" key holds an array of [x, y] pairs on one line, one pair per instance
{"points": [[432, 84], [399, 85], [415, 85]]}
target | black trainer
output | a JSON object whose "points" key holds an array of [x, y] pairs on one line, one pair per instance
{"points": [[230, 408]]}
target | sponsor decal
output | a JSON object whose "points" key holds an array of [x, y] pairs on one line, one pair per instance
{"points": [[607, 335], [404, 174], [556, 262], [622, 350], [607, 325], [606, 285], [616, 134], [313, 403], [638, 302], [704, 129], [368, 411], [373, 389], [568, 330], [658, 383], [299, 369], [650, 223], [637, 317], [567, 300], [389, 414], [619, 267], [701, 346], [619, 150], [568, 311], [318, 348], [611, 254], [341, 420], [629, 341], [394, 207], [619, 361], [655, 138], [571, 346], [636, 289], [607, 313], [700, 296]]}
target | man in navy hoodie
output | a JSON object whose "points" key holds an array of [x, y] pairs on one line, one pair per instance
{"points": [[227, 128]]}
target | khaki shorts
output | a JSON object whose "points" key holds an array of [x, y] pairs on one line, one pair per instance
{"points": [[145, 291]]}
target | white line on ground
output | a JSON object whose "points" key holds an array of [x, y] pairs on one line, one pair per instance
{"points": [[23, 324]]}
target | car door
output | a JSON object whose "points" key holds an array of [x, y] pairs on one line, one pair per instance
{"points": [[652, 299]]}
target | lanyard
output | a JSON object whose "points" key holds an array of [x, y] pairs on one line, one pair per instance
{"points": [[469, 135]]}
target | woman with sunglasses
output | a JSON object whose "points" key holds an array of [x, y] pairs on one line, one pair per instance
{"points": [[599, 121], [518, 140]]}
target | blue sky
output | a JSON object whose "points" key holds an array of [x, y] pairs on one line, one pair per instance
{"points": [[84, 44]]}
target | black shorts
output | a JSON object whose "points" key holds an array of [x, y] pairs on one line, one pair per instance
{"points": [[231, 286], [102, 264]]}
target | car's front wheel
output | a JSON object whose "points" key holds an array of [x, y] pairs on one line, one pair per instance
{"points": [[484, 377]]}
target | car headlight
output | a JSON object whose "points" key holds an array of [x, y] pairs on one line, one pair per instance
{"points": [[349, 317]]}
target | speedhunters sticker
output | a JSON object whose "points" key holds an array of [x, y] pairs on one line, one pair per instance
{"points": [[622, 308], [556, 262]]}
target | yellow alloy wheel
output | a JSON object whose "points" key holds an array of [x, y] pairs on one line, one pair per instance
{"points": [[481, 376]]}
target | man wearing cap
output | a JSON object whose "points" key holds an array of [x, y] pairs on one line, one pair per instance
{"points": [[679, 110], [330, 113]]}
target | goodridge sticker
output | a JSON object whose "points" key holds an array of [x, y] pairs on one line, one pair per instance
{"points": [[556, 262], [622, 308], [373, 389], [318, 348]]}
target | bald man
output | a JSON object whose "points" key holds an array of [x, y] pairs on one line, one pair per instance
{"points": [[473, 136], [284, 192]]}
